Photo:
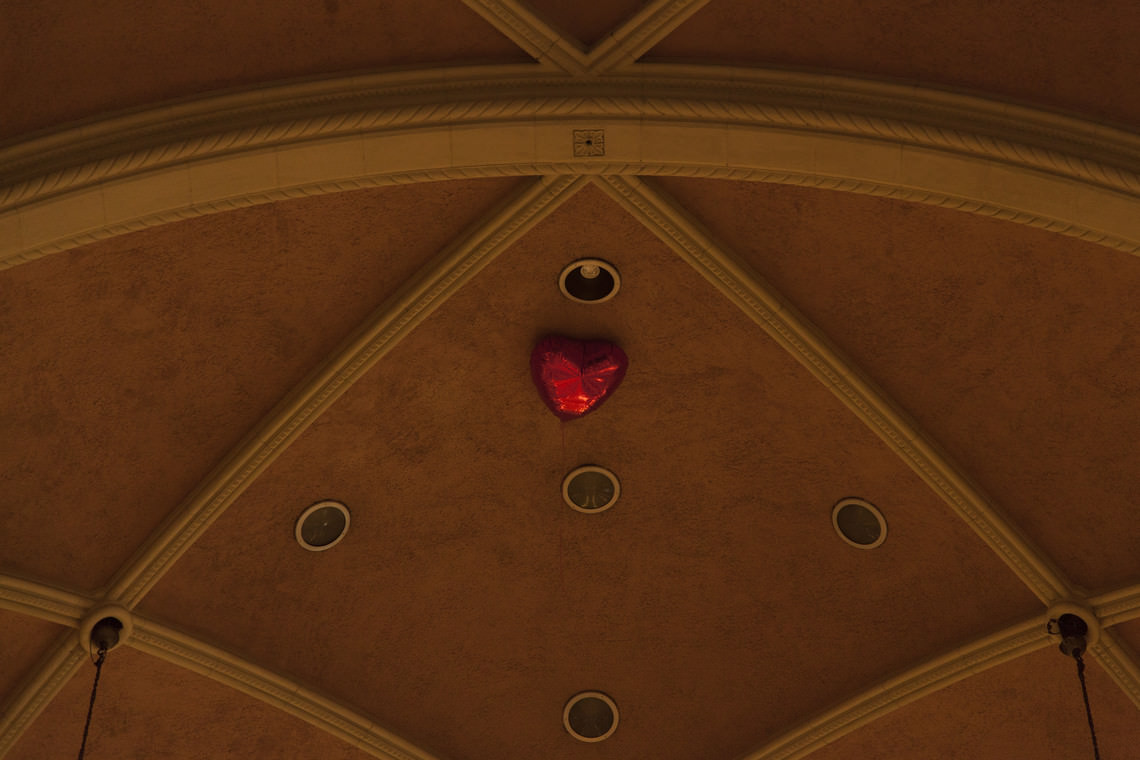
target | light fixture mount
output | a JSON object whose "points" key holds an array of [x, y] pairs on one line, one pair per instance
{"points": [[590, 716], [590, 489], [589, 281], [859, 523], [322, 526]]}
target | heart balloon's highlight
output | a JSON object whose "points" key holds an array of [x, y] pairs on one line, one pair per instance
{"points": [[573, 376]]}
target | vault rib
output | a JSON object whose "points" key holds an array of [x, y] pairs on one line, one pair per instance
{"points": [[532, 34], [44, 683], [811, 348], [372, 340], [449, 271], [48, 602], [39, 600], [926, 678], [273, 689], [1112, 655], [978, 156], [1117, 606], [636, 36]]}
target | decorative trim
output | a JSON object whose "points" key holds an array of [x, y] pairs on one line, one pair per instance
{"points": [[1112, 655], [667, 93], [234, 202], [589, 142], [532, 34], [345, 723], [1118, 606], [273, 689], [46, 682], [811, 348], [42, 601], [918, 682], [189, 159], [622, 46], [635, 37], [372, 340]]}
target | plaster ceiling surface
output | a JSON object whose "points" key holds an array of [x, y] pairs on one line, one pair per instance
{"points": [[163, 710], [354, 321], [1011, 49], [1015, 349], [730, 463], [132, 366], [128, 53]]}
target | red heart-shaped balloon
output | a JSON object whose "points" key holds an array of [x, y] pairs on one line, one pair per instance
{"points": [[574, 377]]}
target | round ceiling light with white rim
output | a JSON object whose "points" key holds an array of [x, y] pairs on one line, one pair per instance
{"points": [[859, 523], [589, 281], [590, 716], [322, 526], [590, 489]]}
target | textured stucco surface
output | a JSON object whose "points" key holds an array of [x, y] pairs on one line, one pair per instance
{"points": [[1014, 348], [131, 367], [1051, 53], [148, 708], [715, 589], [98, 57]]}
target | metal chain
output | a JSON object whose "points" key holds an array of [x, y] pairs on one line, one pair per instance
{"points": [[91, 705], [1085, 692]]}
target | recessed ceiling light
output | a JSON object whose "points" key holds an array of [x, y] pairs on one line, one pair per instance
{"points": [[590, 716], [322, 525], [591, 489], [859, 523], [589, 281]]}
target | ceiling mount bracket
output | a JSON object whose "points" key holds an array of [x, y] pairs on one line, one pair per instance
{"points": [[1073, 626], [105, 628]]}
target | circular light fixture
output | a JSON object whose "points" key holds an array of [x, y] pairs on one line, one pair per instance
{"points": [[322, 525], [589, 281], [859, 523], [590, 716], [591, 489]]}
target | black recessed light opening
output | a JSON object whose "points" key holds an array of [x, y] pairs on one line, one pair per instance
{"points": [[589, 281]]}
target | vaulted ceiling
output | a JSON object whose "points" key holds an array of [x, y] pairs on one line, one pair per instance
{"points": [[258, 255]]}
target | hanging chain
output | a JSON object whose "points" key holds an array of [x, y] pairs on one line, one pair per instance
{"points": [[1088, 710], [91, 706]]}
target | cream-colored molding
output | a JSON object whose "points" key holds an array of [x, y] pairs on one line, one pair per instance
{"points": [[200, 157], [1120, 664], [622, 46], [46, 681], [1117, 606], [636, 36], [759, 300], [811, 348], [376, 337], [927, 678], [274, 689], [530, 32], [69, 608], [449, 271], [42, 601]]}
